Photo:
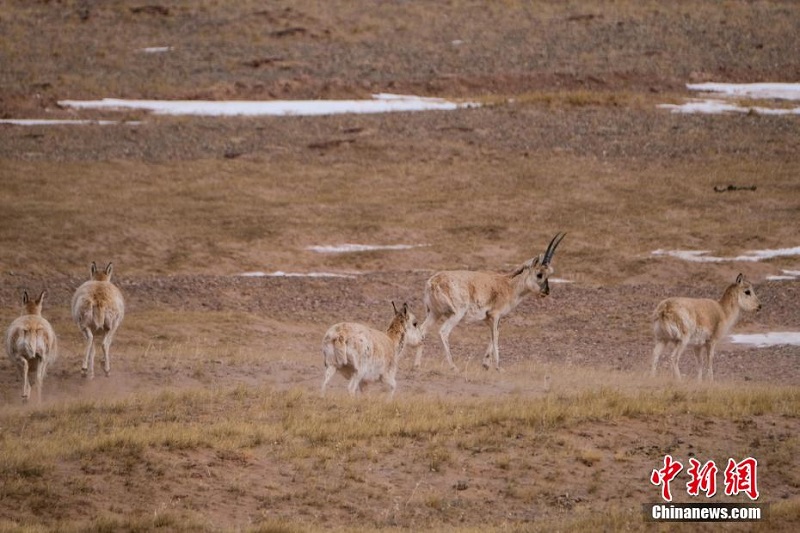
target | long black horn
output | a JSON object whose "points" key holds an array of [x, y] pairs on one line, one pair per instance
{"points": [[551, 248]]}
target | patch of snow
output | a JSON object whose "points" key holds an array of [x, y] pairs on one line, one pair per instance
{"points": [[380, 103], [758, 255], [762, 91], [156, 49], [695, 256], [47, 122], [716, 107], [700, 256], [349, 248], [787, 275], [282, 274], [761, 340], [777, 91], [710, 107]]}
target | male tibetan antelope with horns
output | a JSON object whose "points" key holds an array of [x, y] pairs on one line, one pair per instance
{"points": [[98, 307], [31, 345], [701, 323], [454, 295]]}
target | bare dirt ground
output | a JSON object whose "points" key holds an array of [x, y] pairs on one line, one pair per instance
{"points": [[569, 139]]}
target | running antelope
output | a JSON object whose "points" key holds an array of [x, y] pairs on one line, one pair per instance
{"points": [[31, 345], [701, 323], [454, 295], [364, 355], [98, 307]]}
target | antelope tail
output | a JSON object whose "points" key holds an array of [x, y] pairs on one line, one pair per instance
{"points": [[340, 351], [29, 341], [32, 340], [98, 317], [666, 323]]}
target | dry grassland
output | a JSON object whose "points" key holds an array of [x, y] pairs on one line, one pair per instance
{"points": [[315, 457], [211, 419]]}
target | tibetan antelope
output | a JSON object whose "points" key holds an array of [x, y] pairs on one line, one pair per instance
{"points": [[98, 307], [455, 295], [31, 345], [364, 355], [701, 323]]}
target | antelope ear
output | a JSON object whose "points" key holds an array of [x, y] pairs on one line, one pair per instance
{"points": [[394, 307], [739, 279], [109, 269], [93, 269], [25, 298], [530, 263], [40, 299], [405, 308]]}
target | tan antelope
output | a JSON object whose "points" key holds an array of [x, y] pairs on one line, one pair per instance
{"points": [[700, 323], [98, 307], [454, 295], [31, 345], [364, 355]]}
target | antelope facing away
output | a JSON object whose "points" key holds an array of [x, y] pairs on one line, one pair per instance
{"points": [[701, 323], [454, 295], [31, 345], [98, 307], [364, 355]]}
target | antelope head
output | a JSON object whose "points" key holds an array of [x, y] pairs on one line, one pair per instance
{"points": [[746, 295], [538, 270], [408, 322], [33, 307], [101, 275]]}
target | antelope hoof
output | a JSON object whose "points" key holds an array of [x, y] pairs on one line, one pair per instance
{"points": [[84, 372], [486, 365]]}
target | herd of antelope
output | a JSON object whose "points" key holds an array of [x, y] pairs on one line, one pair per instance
{"points": [[97, 307], [365, 355]]}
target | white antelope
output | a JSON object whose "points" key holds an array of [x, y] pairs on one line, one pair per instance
{"points": [[364, 355], [455, 295], [31, 345], [701, 323], [98, 307]]}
